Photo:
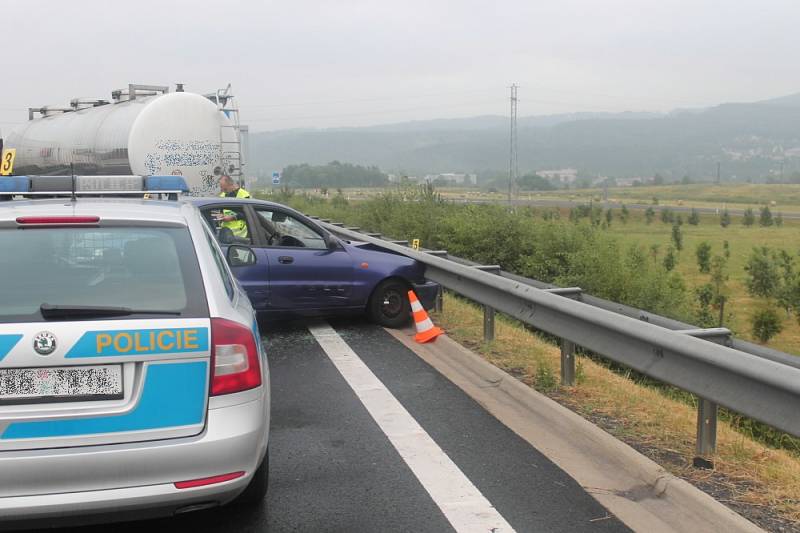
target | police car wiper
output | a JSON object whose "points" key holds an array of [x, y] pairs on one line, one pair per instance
{"points": [[91, 311]]}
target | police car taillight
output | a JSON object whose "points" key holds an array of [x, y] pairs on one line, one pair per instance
{"points": [[234, 358]]}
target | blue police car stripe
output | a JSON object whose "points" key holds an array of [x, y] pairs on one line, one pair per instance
{"points": [[173, 395], [137, 342], [7, 342]]}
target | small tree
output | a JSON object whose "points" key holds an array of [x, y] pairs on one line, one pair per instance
{"points": [[749, 217], [609, 216], [703, 253], [718, 280], [624, 214], [694, 217], [649, 215], [763, 278], [677, 237], [670, 259], [725, 219], [778, 220], [766, 324], [667, 215], [339, 201], [726, 249], [788, 292], [765, 217], [705, 296], [654, 252]]}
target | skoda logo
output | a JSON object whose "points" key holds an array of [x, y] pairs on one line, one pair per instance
{"points": [[44, 343]]}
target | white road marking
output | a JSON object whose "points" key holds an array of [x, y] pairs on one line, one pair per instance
{"points": [[462, 503]]}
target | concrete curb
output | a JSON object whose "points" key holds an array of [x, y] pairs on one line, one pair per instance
{"points": [[634, 488]]}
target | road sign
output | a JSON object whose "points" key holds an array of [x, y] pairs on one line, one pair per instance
{"points": [[276, 178]]}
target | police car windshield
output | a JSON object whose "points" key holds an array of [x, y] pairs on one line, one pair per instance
{"points": [[107, 272]]}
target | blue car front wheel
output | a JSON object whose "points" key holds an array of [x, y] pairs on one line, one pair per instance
{"points": [[389, 305]]}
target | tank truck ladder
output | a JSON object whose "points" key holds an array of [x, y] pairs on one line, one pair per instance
{"points": [[230, 150]]}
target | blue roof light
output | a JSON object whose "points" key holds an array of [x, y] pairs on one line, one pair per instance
{"points": [[15, 184], [166, 183]]}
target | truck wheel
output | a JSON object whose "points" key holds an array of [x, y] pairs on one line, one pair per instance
{"points": [[389, 305]]}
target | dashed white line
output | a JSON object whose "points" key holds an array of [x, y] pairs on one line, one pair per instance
{"points": [[460, 501]]}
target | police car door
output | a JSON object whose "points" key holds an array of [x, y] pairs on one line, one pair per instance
{"points": [[254, 278], [104, 334]]}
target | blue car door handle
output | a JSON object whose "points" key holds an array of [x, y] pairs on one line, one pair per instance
{"points": [[285, 259]]}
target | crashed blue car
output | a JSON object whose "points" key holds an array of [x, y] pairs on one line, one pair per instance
{"points": [[291, 266]]}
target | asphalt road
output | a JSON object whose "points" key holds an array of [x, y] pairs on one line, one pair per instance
{"points": [[333, 468]]}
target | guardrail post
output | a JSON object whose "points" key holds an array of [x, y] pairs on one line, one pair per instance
{"points": [[706, 433], [438, 305], [567, 363], [567, 347], [488, 312], [488, 323], [706, 409]]}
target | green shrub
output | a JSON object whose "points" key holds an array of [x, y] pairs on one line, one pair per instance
{"points": [[749, 217], [725, 219], [766, 324], [703, 253]]}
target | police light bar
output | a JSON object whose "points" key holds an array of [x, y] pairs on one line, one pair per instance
{"points": [[91, 185]]}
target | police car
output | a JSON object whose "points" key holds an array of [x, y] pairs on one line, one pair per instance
{"points": [[132, 377]]}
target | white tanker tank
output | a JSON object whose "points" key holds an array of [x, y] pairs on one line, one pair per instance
{"points": [[145, 130]]}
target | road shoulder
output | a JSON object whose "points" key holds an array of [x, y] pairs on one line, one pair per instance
{"points": [[635, 489]]}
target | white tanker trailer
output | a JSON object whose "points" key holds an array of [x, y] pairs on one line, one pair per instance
{"points": [[144, 130]]}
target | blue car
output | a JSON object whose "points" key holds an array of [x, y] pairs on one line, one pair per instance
{"points": [[298, 268]]}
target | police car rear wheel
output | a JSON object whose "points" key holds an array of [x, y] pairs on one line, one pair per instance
{"points": [[389, 305]]}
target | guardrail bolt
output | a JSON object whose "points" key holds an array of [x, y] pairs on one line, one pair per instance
{"points": [[706, 433], [567, 363], [488, 323]]}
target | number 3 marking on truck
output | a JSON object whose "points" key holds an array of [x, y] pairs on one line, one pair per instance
{"points": [[8, 161]]}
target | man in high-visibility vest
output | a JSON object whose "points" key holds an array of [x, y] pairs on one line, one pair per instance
{"points": [[230, 219]]}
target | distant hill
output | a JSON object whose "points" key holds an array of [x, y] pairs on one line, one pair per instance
{"points": [[750, 140]]}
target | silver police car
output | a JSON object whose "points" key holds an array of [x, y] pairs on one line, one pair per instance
{"points": [[132, 376]]}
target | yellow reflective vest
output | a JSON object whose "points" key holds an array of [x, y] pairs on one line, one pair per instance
{"points": [[238, 226]]}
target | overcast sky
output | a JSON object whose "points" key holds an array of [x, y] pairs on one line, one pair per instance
{"points": [[304, 63]]}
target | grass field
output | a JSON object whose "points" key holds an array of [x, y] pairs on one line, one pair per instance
{"points": [[786, 197], [741, 240]]}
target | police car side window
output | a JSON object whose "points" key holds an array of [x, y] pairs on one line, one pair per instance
{"points": [[220, 262]]}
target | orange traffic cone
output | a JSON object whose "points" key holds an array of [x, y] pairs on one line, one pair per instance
{"points": [[426, 331]]}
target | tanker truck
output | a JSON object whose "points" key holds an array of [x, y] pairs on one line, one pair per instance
{"points": [[143, 130]]}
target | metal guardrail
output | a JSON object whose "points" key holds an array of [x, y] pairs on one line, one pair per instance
{"points": [[755, 381]]}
